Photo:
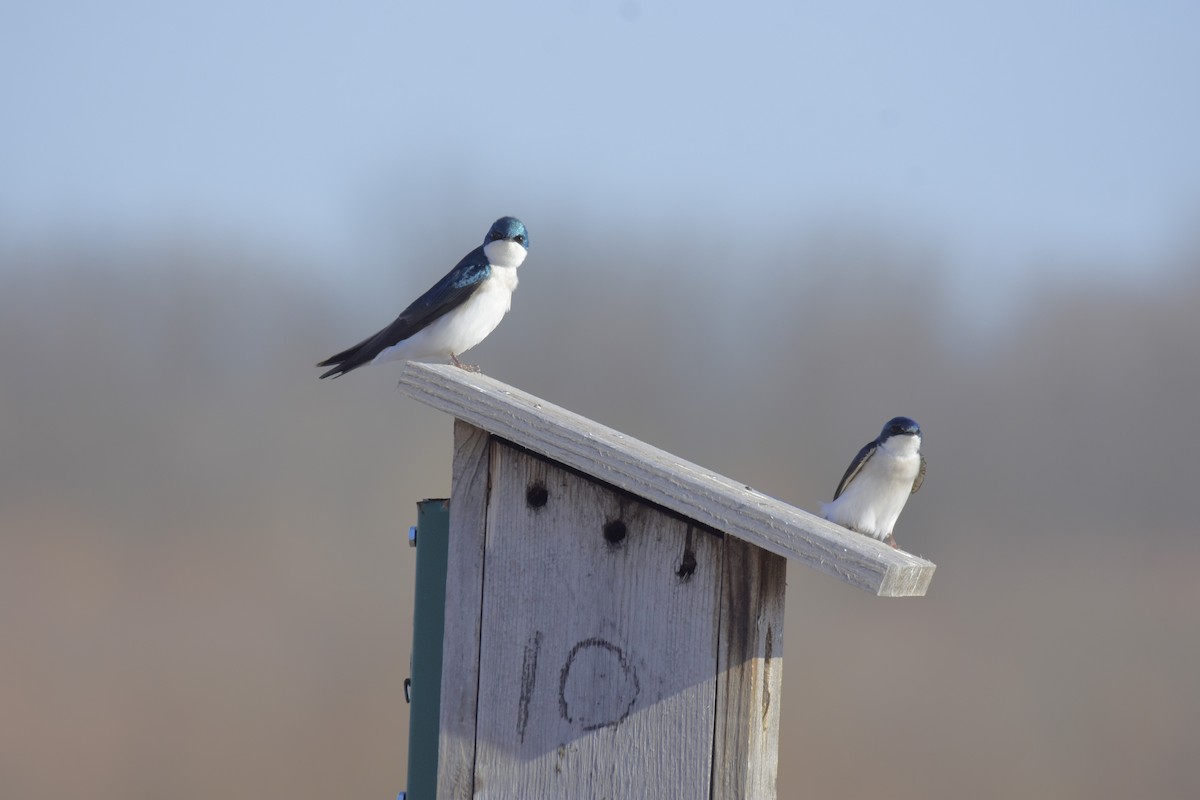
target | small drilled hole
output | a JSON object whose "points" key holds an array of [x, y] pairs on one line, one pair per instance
{"points": [[537, 495], [614, 532], [687, 567]]}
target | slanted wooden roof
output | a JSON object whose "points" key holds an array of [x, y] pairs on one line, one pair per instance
{"points": [[659, 477]]}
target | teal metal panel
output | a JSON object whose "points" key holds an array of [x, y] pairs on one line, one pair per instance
{"points": [[429, 612]]}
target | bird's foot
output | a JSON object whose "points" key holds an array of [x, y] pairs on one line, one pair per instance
{"points": [[889, 539], [461, 365]]}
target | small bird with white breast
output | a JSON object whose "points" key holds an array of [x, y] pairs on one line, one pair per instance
{"points": [[456, 314], [879, 481]]}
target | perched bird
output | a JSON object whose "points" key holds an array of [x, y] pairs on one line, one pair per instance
{"points": [[456, 314], [877, 485]]}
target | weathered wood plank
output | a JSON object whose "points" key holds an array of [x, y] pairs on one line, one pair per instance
{"points": [[749, 673], [464, 598], [597, 678], [662, 478]]}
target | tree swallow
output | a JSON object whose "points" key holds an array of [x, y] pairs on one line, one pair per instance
{"points": [[877, 485], [456, 314]]}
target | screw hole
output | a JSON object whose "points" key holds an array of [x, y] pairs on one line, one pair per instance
{"points": [[537, 495], [614, 532], [687, 567]]}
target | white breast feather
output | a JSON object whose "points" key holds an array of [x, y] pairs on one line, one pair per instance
{"points": [[503, 253], [872, 502]]}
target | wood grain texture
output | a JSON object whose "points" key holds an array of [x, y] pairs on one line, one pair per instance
{"points": [[671, 482], [464, 598], [599, 649], [749, 673]]}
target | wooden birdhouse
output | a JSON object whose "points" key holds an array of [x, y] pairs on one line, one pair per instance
{"points": [[611, 623]]}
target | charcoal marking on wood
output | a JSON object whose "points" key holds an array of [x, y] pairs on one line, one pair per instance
{"points": [[528, 681], [604, 689]]}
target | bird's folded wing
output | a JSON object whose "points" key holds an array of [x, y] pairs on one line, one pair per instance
{"points": [[446, 295], [855, 467], [920, 476]]}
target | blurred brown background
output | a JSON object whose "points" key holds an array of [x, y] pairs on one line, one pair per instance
{"points": [[205, 588]]}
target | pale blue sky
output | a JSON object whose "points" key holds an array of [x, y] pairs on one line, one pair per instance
{"points": [[1006, 130]]}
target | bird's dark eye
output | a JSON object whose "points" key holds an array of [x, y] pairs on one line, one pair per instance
{"points": [[496, 235], [520, 239]]}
